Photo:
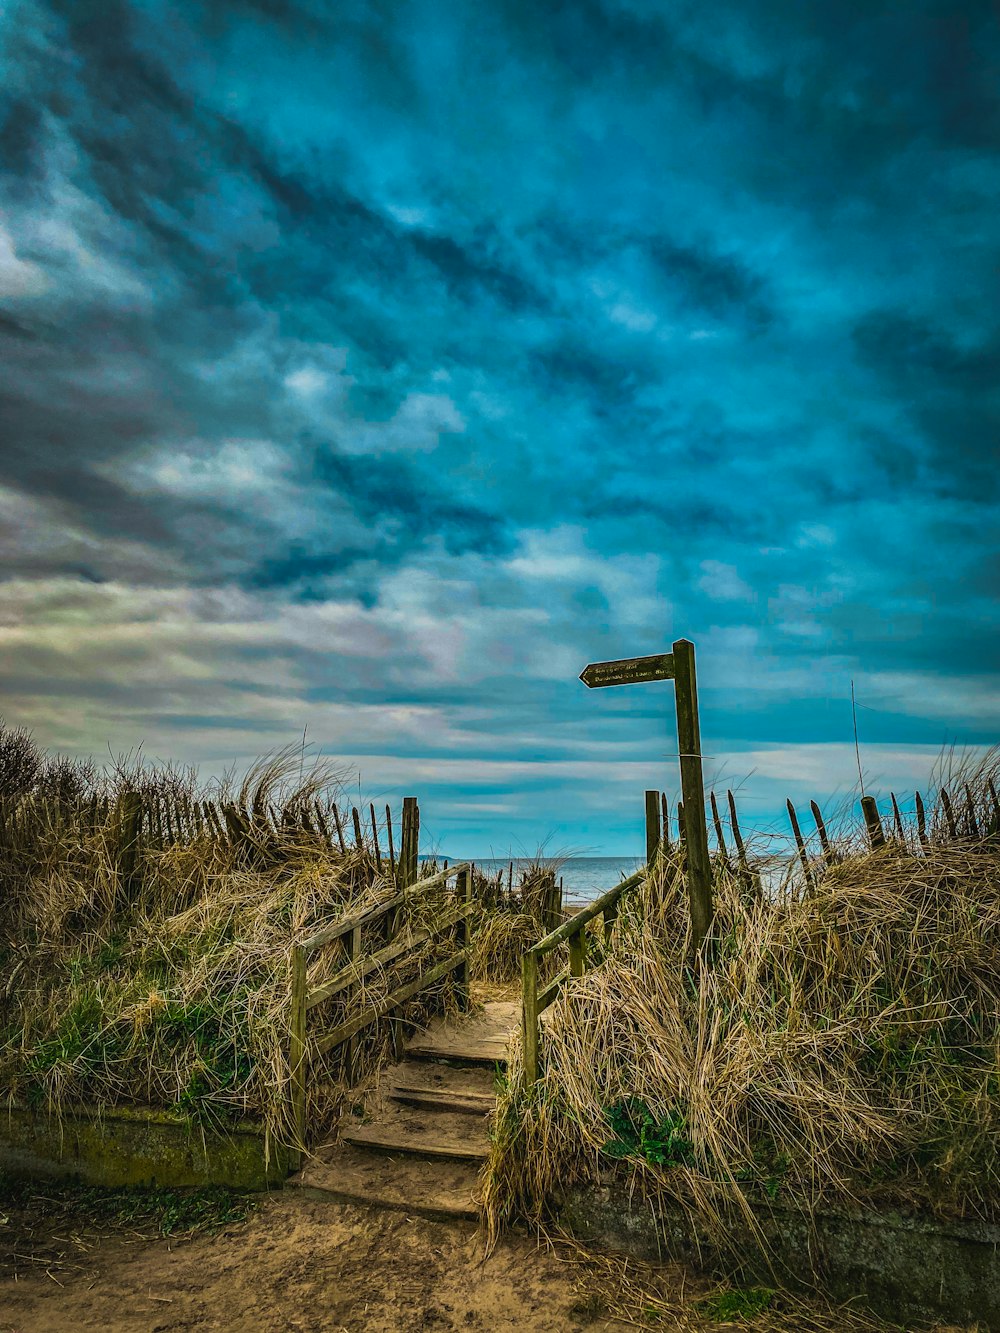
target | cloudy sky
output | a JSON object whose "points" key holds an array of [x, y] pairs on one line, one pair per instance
{"points": [[371, 366]]}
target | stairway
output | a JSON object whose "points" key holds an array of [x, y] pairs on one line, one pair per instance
{"points": [[426, 1136]]}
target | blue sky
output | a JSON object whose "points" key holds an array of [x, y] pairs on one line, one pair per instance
{"points": [[370, 368]]}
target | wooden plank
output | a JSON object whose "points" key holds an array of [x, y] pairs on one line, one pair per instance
{"points": [[403, 1129], [391, 1001], [551, 992], [353, 973], [699, 869], [628, 671], [404, 1184], [347, 923]]}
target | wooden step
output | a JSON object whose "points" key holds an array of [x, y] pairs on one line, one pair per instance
{"points": [[429, 1083], [438, 1189], [479, 1038], [438, 1134]]}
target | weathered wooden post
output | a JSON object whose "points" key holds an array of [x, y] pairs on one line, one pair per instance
{"points": [[679, 667], [653, 834], [409, 840], [693, 789], [529, 1016], [876, 836]]}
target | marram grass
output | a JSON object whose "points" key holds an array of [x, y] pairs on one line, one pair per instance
{"points": [[841, 1045]]}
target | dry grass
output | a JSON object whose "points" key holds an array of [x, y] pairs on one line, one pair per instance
{"points": [[166, 982], [844, 1044]]}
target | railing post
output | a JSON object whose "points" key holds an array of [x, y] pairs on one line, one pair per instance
{"points": [[577, 953], [297, 1051], [463, 893], [529, 1016]]}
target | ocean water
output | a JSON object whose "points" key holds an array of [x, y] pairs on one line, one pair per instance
{"points": [[584, 877]]}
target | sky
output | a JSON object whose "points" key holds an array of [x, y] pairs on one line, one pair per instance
{"points": [[367, 369]]}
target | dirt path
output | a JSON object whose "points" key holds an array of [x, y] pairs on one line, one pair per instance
{"points": [[297, 1264]]}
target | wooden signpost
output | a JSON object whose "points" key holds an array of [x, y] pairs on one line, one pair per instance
{"points": [[677, 666]]}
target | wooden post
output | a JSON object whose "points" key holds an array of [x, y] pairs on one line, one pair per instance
{"points": [[529, 1016], [971, 813], [297, 1051], [652, 827], [378, 851], [949, 814], [388, 829], [699, 871], [463, 893], [610, 917], [359, 840], [824, 841], [897, 819], [577, 953], [869, 809], [340, 830], [128, 841], [800, 842], [921, 821], [408, 841], [718, 827], [665, 810], [996, 805]]}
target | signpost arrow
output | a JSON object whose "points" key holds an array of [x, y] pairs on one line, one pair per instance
{"points": [[628, 671]]}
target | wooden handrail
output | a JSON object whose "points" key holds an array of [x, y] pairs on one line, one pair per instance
{"points": [[354, 972], [356, 969], [536, 1000], [581, 919], [327, 934]]}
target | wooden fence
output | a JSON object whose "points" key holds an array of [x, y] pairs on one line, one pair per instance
{"points": [[400, 947], [573, 933]]}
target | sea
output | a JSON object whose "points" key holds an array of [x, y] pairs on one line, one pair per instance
{"points": [[584, 877]]}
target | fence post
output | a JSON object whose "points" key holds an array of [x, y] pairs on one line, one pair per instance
{"points": [[699, 870], [577, 953], [800, 843], [388, 830], [869, 809], [665, 811], [719, 837], [407, 841], [529, 1016], [128, 843], [921, 821], [297, 1051], [652, 827], [824, 839]]}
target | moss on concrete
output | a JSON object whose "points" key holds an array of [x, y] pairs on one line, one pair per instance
{"points": [[899, 1267], [136, 1146]]}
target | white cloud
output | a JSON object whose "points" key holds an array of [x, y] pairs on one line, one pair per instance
{"points": [[723, 584], [19, 278]]}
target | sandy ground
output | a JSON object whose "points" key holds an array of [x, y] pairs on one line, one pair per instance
{"points": [[296, 1264]]}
